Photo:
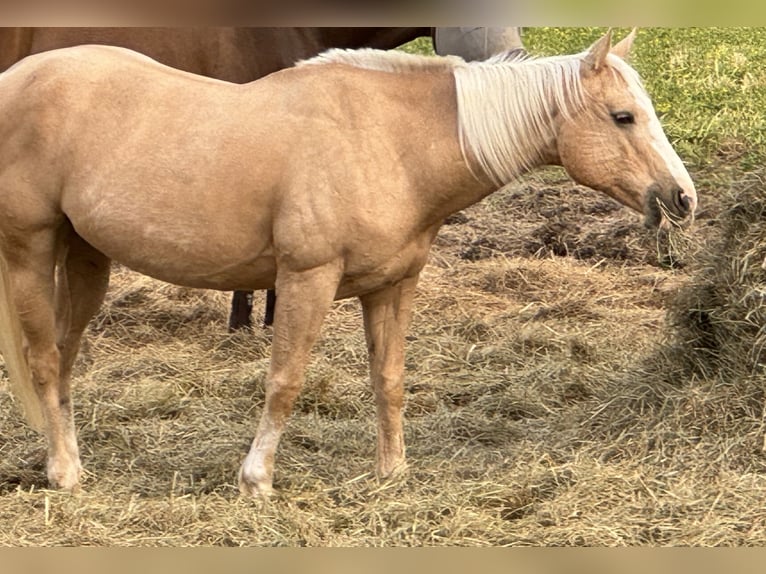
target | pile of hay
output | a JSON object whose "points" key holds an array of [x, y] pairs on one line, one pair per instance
{"points": [[543, 405], [698, 400], [719, 320]]}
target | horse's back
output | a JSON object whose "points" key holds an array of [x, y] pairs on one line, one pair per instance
{"points": [[84, 64], [106, 103], [100, 99], [215, 52], [238, 55], [83, 95]]}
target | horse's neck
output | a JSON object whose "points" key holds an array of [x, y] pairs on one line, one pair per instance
{"points": [[517, 150], [508, 117], [450, 179], [418, 110]]}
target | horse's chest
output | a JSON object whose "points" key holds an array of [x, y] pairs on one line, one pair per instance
{"points": [[378, 266]]}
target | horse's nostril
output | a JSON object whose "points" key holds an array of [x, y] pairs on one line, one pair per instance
{"points": [[684, 202]]}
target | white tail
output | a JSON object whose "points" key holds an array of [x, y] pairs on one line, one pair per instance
{"points": [[15, 361]]}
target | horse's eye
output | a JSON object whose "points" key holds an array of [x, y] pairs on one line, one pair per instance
{"points": [[623, 118]]}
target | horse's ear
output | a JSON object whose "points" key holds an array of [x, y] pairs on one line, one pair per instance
{"points": [[622, 48], [595, 59]]}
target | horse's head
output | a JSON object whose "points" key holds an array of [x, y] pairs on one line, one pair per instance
{"points": [[616, 144]]}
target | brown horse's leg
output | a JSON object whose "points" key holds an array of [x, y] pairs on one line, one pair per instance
{"points": [[271, 301], [387, 316], [241, 310], [82, 280], [304, 299], [31, 269]]}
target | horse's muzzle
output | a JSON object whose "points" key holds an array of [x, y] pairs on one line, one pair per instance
{"points": [[668, 206]]}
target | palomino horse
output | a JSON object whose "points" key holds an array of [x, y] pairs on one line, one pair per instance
{"points": [[328, 180], [242, 55]]}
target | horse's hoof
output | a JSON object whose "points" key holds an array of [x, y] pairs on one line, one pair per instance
{"points": [[392, 470], [258, 488], [67, 479]]}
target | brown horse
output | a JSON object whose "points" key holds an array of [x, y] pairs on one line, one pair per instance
{"points": [[242, 55], [328, 180]]}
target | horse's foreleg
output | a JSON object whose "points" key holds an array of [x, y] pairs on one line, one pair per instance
{"points": [[387, 316], [304, 299]]}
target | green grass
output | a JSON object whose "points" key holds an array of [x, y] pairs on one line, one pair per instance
{"points": [[708, 85], [420, 45]]}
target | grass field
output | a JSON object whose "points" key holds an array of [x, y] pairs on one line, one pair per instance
{"points": [[572, 378]]}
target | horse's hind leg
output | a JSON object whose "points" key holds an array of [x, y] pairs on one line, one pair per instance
{"points": [[304, 299], [31, 268], [387, 316], [82, 280]]}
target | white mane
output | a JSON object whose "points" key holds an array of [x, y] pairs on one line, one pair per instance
{"points": [[505, 110], [385, 60], [505, 104]]}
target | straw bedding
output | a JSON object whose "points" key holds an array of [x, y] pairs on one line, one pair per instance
{"points": [[572, 378]]}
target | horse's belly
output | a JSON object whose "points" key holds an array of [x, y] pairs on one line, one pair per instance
{"points": [[225, 272], [259, 273], [206, 258]]}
